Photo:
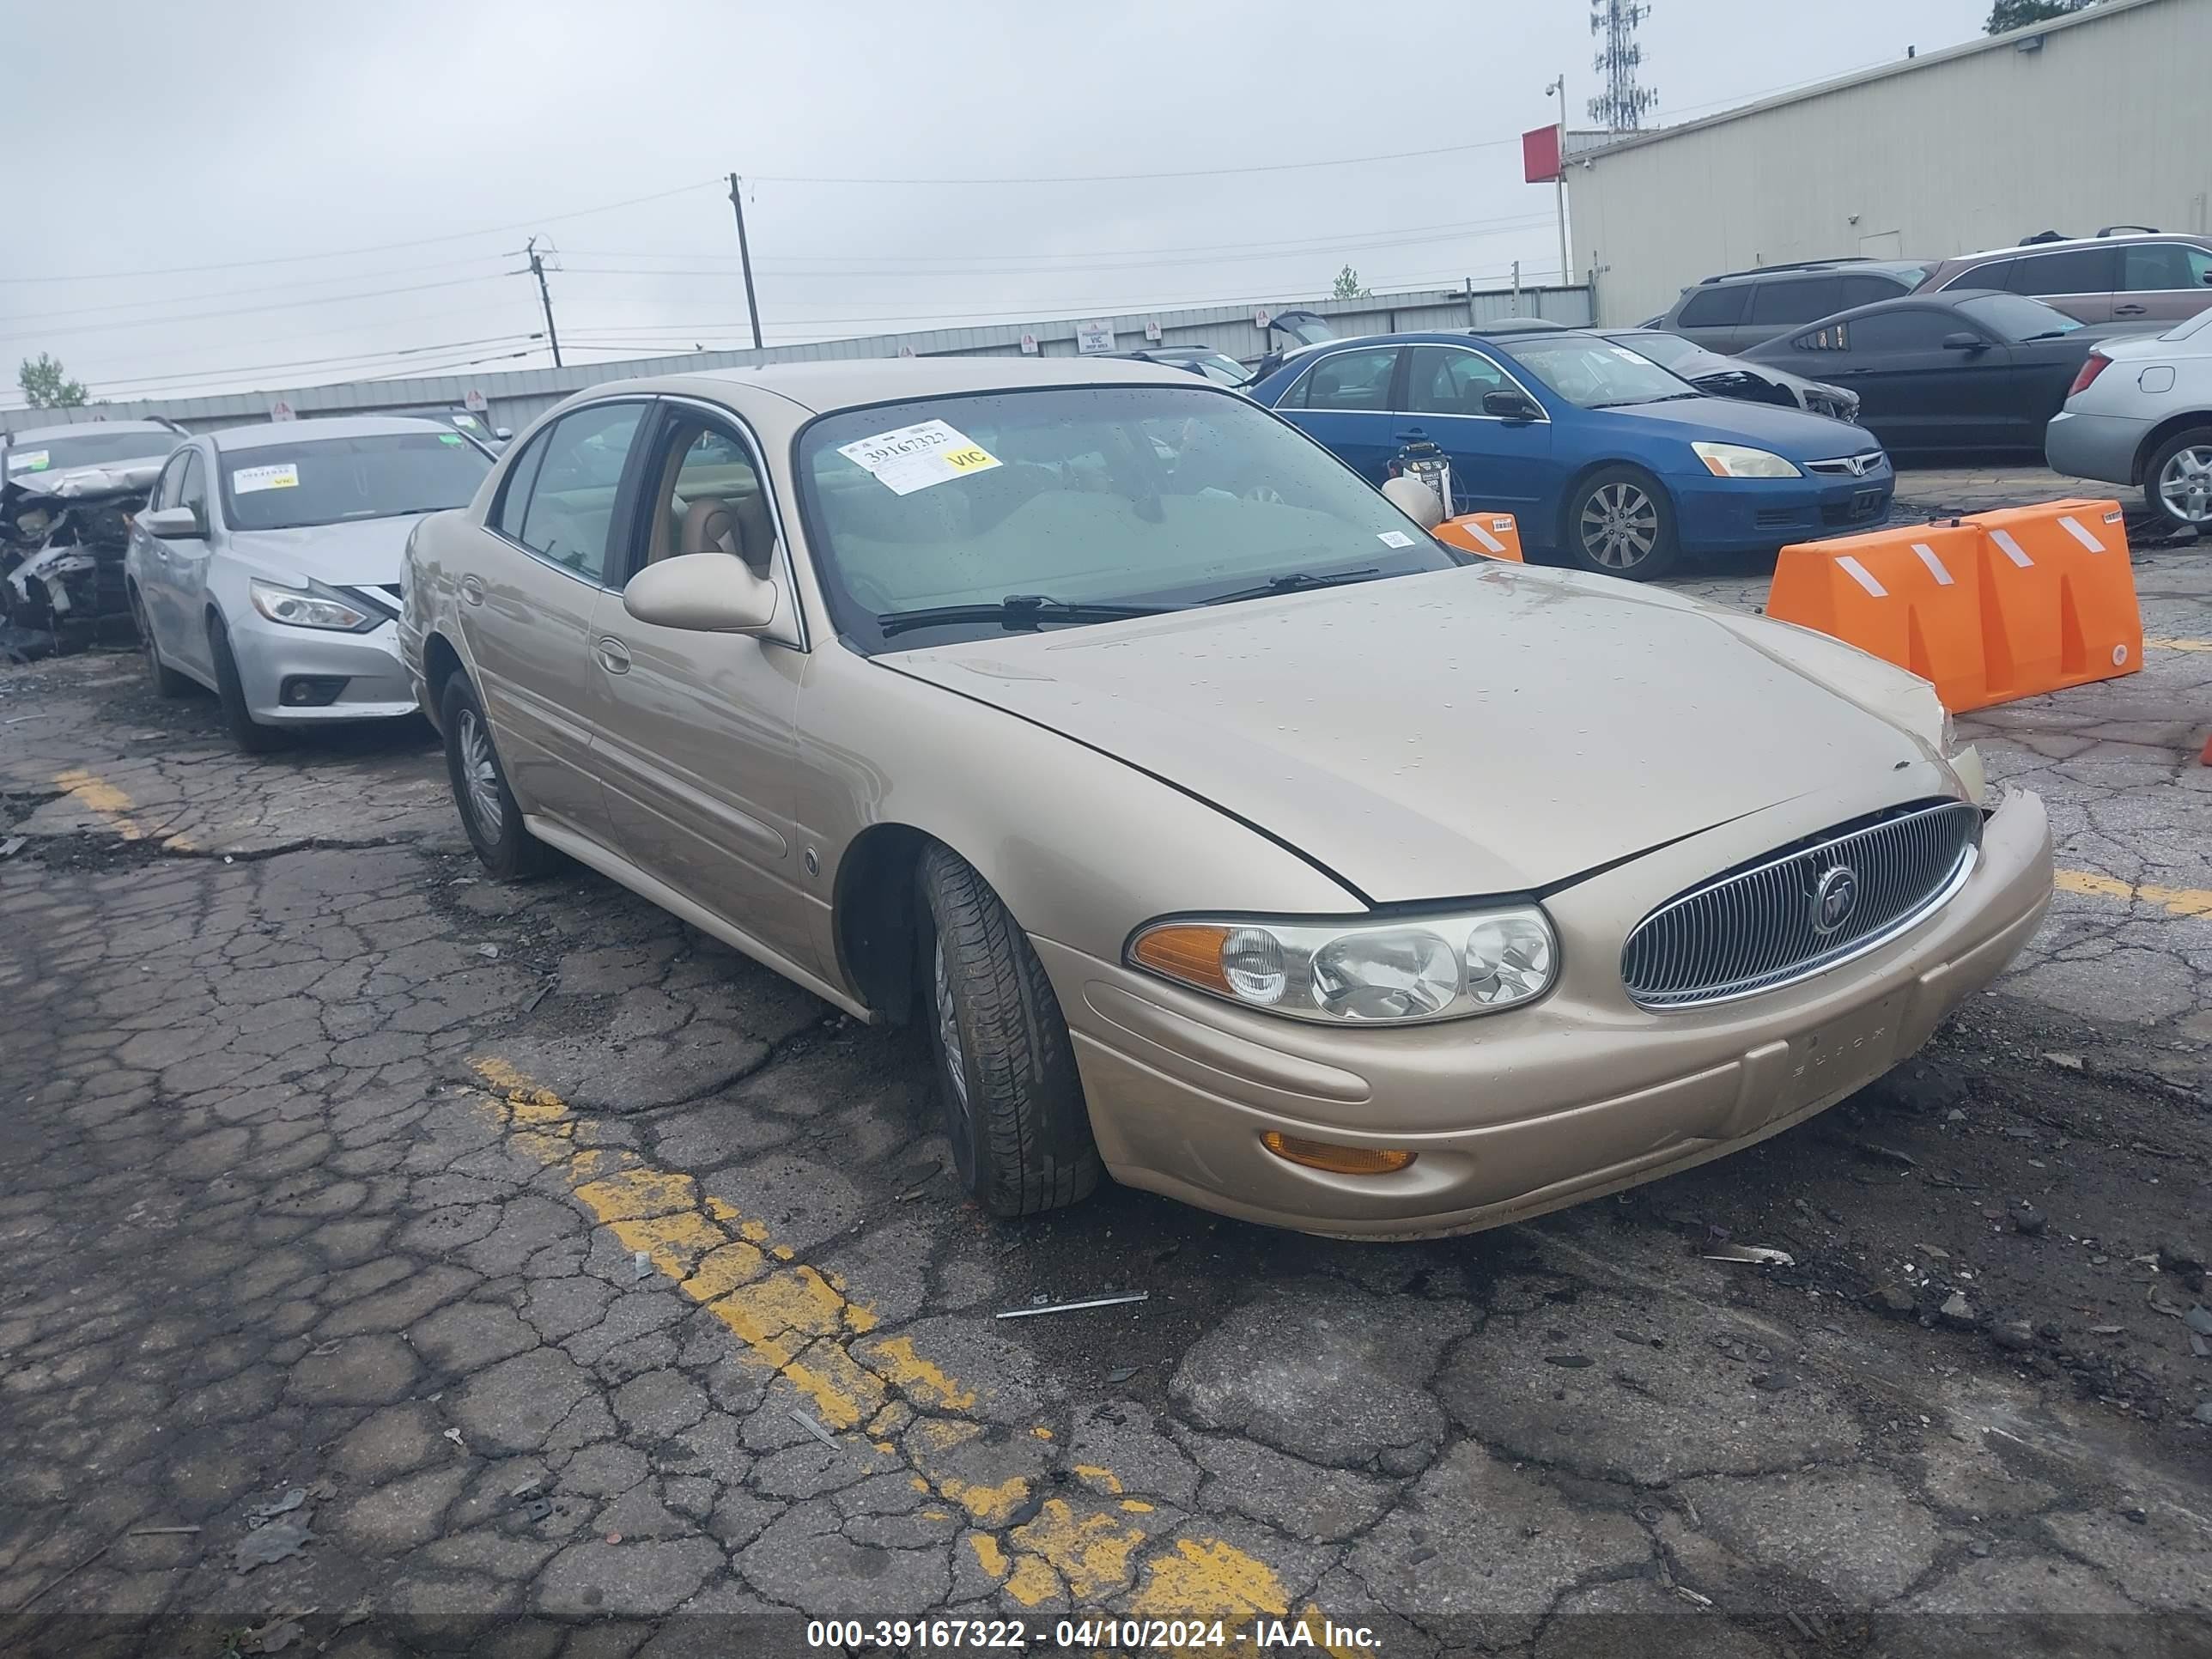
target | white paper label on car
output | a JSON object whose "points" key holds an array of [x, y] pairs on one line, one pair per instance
{"points": [[247, 479], [1394, 538], [28, 460], [915, 457]]}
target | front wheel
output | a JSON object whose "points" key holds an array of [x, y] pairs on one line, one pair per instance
{"points": [[1006, 1070], [1618, 522], [487, 805], [2177, 483], [249, 734], [167, 682]]}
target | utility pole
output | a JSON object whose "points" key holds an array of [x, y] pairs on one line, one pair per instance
{"points": [[746, 258], [544, 297], [1560, 183]]}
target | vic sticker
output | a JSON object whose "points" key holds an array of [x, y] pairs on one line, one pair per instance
{"points": [[247, 479], [915, 457], [28, 460]]}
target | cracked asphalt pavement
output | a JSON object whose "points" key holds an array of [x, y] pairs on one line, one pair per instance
{"points": [[400, 1262]]}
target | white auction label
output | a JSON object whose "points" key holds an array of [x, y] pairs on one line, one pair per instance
{"points": [[247, 479], [1394, 538], [28, 460], [915, 457]]}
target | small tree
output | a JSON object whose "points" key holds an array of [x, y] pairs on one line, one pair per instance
{"points": [[1346, 286], [2008, 14], [45, 386]]}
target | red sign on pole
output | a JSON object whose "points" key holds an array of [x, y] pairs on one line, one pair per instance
{"points": [[1539, 155]]}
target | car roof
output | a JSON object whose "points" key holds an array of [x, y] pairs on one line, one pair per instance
{"points": [[855, 382], [1841, 266], [281, 434], [2062, 245], [79, 428]]}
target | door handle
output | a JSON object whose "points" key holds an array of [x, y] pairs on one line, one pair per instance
{"points": [[472, 589], [1409, 434], [613, 654], [2129, 310]]}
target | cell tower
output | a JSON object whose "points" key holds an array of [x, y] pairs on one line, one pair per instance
{"points": [[1619, 106]]}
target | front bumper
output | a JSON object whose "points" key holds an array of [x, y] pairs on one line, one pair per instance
{"points": [[268, 653], [2099, 446], [1514, 1114], [1730, 516]]}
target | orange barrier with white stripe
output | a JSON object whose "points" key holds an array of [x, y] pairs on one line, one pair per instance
{"points": [[1909, 596], [2057, 598], [1495, 535], [1989, 608]]}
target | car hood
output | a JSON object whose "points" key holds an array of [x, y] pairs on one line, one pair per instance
{"points": [[1477, 731], [90, 481], [1790, 433], [365, 552]]}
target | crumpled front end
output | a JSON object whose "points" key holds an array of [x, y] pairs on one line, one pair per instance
{"points": [[63, 537]]}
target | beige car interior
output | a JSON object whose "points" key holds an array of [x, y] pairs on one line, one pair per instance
{"points": [[707, 503]]}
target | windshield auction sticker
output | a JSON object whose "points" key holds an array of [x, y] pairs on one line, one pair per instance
{"points": [[247, 479], [28, 460], [915, 457]]}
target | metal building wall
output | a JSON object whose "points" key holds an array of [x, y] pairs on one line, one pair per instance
{"points": [[2107, 120], [517, 396]]}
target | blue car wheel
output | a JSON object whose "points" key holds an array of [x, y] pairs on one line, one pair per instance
{"points": [[1618, 522]]}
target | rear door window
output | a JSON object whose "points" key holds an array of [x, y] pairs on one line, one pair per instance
{"points": [[2073, 271], [1714, 307], [1352, 380], [1866, 288], [1783, 301]]}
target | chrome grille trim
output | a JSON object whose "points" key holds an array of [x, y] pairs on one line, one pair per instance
{"points": [[1752, 930]]}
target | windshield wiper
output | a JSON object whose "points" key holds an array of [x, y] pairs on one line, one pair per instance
{"points": [[1296, 582], [1015, 610]]}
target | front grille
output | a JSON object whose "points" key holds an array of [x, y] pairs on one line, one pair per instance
{"points": [[1863, 505], [1849, 466], [1778, 517], [1765, 925]]}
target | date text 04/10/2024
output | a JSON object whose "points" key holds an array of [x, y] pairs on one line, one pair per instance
{"points": [[1087, 1635]]}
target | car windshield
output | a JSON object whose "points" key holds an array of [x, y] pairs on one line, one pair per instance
{"points": [[288, 486], [1667, 350], [1219, 368], [2015, 317], [1596, 374], [1156, 496], [87, 449]]}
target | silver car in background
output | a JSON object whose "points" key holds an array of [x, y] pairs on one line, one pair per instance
{"points": [[267, 565], [2140, 412]]}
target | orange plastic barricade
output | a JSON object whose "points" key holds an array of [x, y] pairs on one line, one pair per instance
{"points": [[2057, 597], [1907, 595], [1493, 534]]}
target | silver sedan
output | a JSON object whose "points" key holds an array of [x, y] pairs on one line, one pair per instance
{"points": [[267, 565], [2141, 413]]}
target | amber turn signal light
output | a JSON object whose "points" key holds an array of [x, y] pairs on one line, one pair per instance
{"points": [[1337, 1160], [1189, 951]]}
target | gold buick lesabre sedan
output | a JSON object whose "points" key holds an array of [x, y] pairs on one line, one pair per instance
{"points": [[1224, 829]]}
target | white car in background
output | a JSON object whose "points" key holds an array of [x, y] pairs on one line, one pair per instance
{"points": [[267, 565], [2140, 412]]}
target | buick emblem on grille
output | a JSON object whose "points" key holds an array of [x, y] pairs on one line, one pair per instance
{"points": [[1834, 897]]}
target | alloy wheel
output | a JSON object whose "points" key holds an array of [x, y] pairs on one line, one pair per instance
{"points": [[1619, 526], [480, 771], [2185, 484]]}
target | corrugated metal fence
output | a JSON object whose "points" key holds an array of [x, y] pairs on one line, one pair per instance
{"points": [[517, 396]]}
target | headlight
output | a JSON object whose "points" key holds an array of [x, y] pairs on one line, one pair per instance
{"points": [[1740, 461], [1394, 972], [298, 607]]}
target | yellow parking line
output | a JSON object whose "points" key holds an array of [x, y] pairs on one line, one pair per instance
{"points": [[804, 1325], [2178, 900], [2177, 645], [112, 806]]}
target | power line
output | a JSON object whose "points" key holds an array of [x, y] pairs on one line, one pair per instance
{"points": [[193, 376], [1122, 177], [239, 293], [374, 247], [251, 311]]}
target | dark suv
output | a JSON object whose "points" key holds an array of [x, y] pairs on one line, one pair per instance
{"points": [[1739, 309], [2106, 278]]}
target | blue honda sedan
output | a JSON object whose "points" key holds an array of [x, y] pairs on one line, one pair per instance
{"points": [[1604, 458]]}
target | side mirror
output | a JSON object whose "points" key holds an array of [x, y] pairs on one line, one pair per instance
{"points": [[701, 592], [172, 524], [1508, 406], [1963, 341]]}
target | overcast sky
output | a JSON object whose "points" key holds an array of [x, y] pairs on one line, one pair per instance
{"points": [[172, 164]]}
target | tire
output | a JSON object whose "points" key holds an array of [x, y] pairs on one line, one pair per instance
{"points": [[249, 734], [1618, 522], [1006, 1070], [167, 681], [2178, 480], [487, 806]]}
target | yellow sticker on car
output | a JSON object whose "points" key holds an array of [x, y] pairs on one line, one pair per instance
{"points": [[915, 457], [247, 479]]}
